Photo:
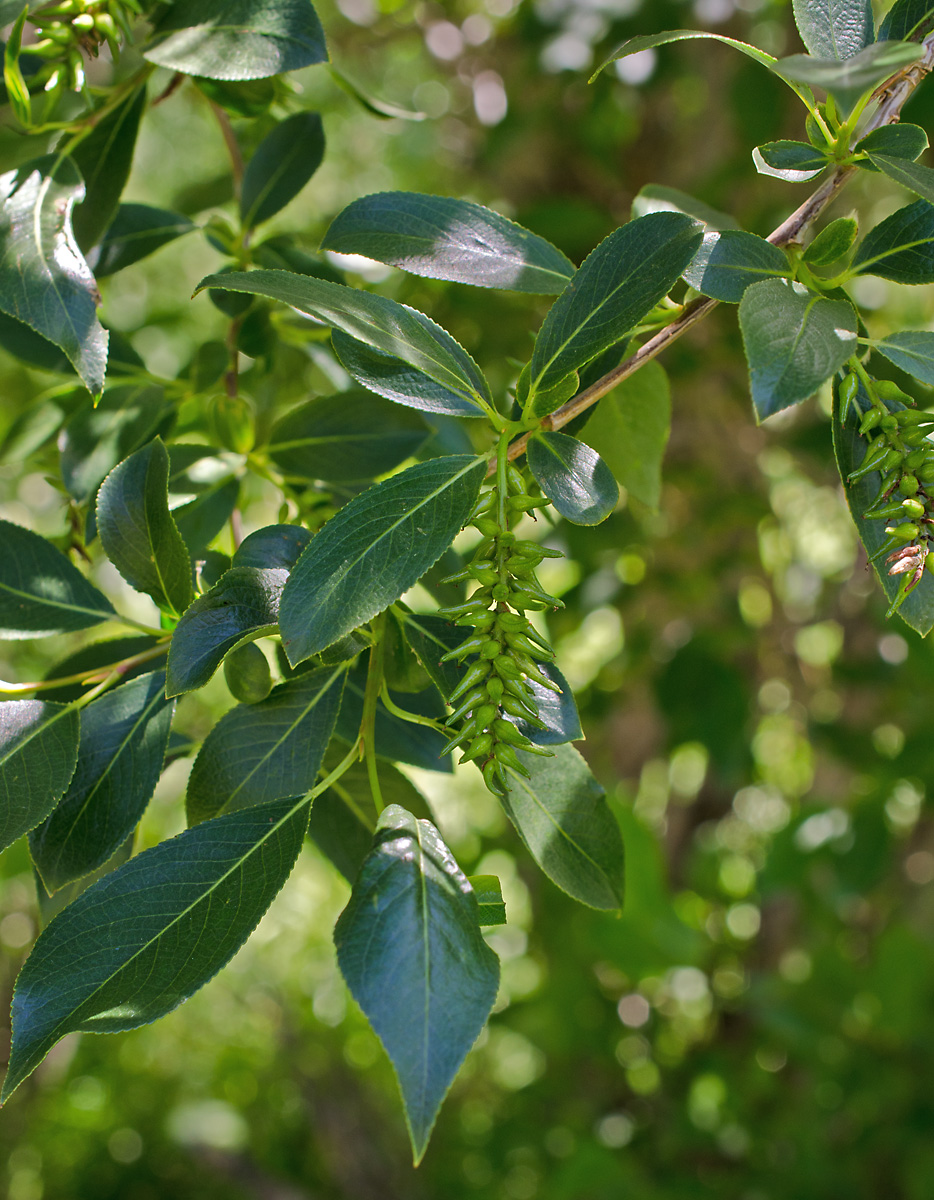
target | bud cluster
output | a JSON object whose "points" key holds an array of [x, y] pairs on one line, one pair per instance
{"points": [[503, 650], [900, 452], [71, 28]]}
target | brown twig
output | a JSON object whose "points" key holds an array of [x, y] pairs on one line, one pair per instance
{"points": [[890, 98]]}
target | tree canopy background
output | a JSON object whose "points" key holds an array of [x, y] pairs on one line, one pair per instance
{"points": [[756, 1024]]}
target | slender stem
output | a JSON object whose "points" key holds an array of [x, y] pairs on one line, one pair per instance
{"points": [[374, 685], [233, 147], [890, 99], [92, 675], [152, 630], [342, 768], [404, 715]]}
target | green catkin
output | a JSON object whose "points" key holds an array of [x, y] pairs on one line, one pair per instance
{"points": [[502, 648], [900, 448]]}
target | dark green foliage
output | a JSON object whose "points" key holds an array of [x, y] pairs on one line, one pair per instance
{"points": [[283, 163], [901, 248], [727, 263], [574, 478]]}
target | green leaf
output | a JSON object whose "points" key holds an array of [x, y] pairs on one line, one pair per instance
{"points": [[894, 141], [917, 178], [562, 816], [389, 376], [375, 320], [345, 437], [901, 247], [794, 162], [574, 478], [432, 637], [410, 949], [848, 81], [912, 352], [629, 430], [617, 285], [135, 945], [383, 109], [343, 818], [649, 41], [727, 263], [242, 606], [282, 164], [834, 28], [490, 903], [97, 437], [907, 20], [136, 232], [794, 341], [833, 241], [44, 280], [238, 39], [104, 159], [201, 519], [441, 237], [272, 546], [262, 752], [396, 739], [124, 735], [137, 531], [374, 549], [917, 609], [41, 593], [657, 197], [247, 98], [38, 752]]}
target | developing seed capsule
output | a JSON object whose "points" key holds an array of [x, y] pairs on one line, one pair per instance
{"points": [[916, 458], [475, 674], [875, 453], [526, 503], [488, 527], [888, 423], [908, 485], [514, 479], [519, 708], [891, 391], [500, 592], [505, 667], [505, 731], [484, 573], [527, 547], [892, 508], [484, 715], [491, 650], [914, 508], [926, 473], [849, 388], [511, 622], [495, 688], [480, 747], [913, 416], [913, 435], [493, 777], [475, 697], [507, 757], [906, 532]]}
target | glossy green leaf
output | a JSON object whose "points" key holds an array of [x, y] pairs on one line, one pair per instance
{"points": [[136, 232], [247, 98], [238, 39], [282, 164], [490, 902], [649, 41], [795, 162], [374, 320], [848, 81], [895, 141], [41, 593], [658, 197], [44, 280], [432, 637], [727, 263], [38, 752], [562, 815], [392, 377], [917, 610], [104, 159], [629, 430], [124, 735], [137, 531], [573, 476], [907, 20], [374, 549], [262, 752], [834, 28], [242, 606], [794, 341], [272, 546], [51, 906], [912, 352], [442, 237], [396, 739], [901, 247], [345, 437], [135, 945], [97, 437], [833, 241], [617, 285], [410, 949], [202, 519], [372, 104], [914, 176]]}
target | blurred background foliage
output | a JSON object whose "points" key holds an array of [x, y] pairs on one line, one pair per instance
{"points": [[757, 1023]]}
